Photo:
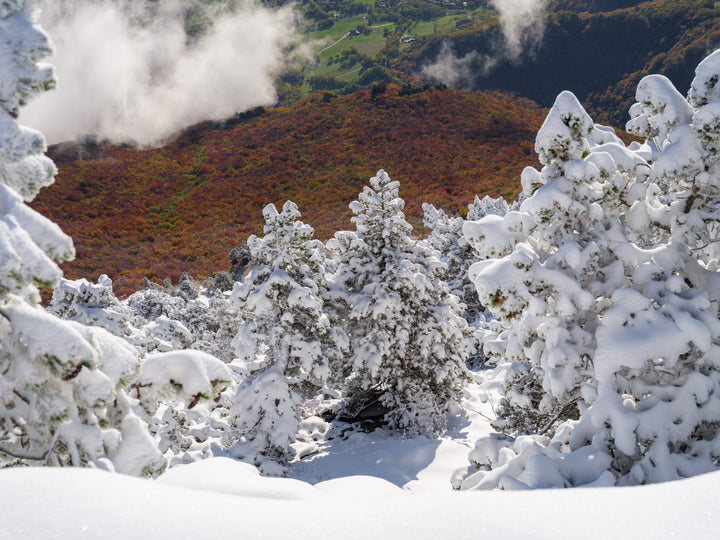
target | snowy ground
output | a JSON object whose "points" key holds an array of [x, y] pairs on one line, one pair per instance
{"points": [[221, 498], [359, 485], [417, 464]]}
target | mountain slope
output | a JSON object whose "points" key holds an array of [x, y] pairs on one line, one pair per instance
{"points": [[159, 212], [598, 52]]}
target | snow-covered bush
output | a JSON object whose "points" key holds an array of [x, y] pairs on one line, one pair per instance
{"points": [[179, 383], [61, 396], [184, 317], [287, 341], [636, 349], [406, 327], [190, 377], [176, 330], [91, 304], [181, 391], [487, 206], [155, 319]]}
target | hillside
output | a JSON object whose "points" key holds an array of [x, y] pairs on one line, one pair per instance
{"points": [[597, 49], [155, 213]]}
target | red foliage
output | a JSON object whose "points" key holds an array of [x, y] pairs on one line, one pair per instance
{"points": [[156, 213]]}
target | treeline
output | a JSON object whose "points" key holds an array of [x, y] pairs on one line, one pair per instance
{"points": [[325, 12]]}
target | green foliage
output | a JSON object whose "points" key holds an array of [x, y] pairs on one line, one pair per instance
{"points": [[352, 37]]}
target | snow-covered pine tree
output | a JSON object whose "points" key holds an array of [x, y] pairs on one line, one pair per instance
{"points": [[287, 342], [61, 397], [406, 328], [679, 204], [446, 237], [657, 412], [545, 264], [656, 359]]}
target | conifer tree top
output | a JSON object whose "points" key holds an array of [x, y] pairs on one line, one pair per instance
{"points": [[660, 108], [378, 212], [561, 136], [705, 86]]}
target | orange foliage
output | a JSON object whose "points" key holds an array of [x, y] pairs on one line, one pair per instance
{"points": [[156, 213]]}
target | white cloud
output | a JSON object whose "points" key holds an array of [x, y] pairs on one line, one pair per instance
{"points": [[456, 72], [523, 26], [517, 17], [129, 73]]}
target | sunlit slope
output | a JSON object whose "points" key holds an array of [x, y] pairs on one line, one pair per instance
{"points": [[156, 213]]}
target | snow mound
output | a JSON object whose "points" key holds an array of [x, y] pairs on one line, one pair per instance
{"points": [[231, 477], [42, 503]]}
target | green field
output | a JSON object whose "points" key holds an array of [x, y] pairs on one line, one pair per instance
{"points": [[443, 25], [328, 43]]}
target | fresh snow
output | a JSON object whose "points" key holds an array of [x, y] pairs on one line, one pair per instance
{"points": [[223, 498], [636, 350], [370, 485], [419, 464]]}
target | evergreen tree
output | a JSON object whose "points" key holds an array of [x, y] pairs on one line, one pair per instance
{"points": [[446, 237], [61, 397], [650, 400], [405, 325], [546, 262], [287, 342]]}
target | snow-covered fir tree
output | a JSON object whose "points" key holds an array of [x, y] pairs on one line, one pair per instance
{"points": [[287, 341], [406, 327], [446, 237], [61, 396], [649, 400], [545, 264]]}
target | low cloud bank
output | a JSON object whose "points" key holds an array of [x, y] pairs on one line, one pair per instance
{"points": [[127, 71], [522, 23]]}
